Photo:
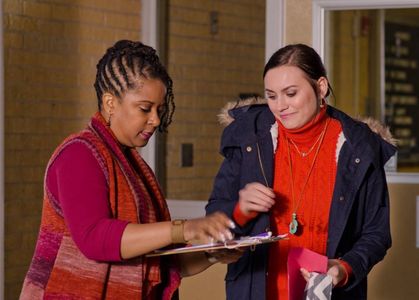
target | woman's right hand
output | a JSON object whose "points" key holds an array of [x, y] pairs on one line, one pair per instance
{"points": [[214, 227], [256, 197]]}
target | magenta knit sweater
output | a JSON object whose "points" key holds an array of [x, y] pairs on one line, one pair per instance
{"points": [[78, 182]]}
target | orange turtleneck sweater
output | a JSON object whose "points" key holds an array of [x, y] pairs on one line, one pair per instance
{"points": [[311, 203]]}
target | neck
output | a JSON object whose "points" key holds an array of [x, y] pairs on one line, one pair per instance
{"points": [[306, 135]]}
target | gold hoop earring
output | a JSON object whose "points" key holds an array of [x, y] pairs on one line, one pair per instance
{"points": [[109, 121]]}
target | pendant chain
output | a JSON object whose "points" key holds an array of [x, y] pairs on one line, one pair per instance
{"points": [[261, 165], [293, 226], [304, 154]]}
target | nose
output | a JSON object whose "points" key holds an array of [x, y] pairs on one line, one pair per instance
{"points": [[281, 104], [154, 119]]}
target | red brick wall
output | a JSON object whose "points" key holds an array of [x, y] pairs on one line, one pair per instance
{"points": [[208, 71], [51, 50]]}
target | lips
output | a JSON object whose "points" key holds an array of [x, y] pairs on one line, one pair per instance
{"points": [[285, 116], [146, 135]]}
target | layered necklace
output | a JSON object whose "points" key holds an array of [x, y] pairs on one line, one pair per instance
{"points": [[293, 226], [304, 154]]}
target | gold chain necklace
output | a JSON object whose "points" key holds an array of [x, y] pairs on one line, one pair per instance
{"points": [[304, 154], [293, 226]]}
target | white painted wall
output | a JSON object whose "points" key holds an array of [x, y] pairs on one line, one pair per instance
{"points": [[149, 36], [274, 28]]}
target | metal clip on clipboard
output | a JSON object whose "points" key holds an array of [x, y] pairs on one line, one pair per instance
{"points": [[253, 241]]}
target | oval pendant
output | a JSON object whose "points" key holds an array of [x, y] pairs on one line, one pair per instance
{"points": [[293, 224]]}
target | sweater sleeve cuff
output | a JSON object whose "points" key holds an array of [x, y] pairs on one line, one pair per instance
{"points": [[348, 273], [113, 253], [240, 218]]}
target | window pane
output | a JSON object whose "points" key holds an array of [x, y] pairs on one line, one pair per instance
{"points": [[362, 45]]}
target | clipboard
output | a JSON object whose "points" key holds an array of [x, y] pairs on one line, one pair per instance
{"points": [[247, 241]]}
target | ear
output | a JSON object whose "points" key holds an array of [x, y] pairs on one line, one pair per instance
{"points": [[323, 86], [108, 102]]}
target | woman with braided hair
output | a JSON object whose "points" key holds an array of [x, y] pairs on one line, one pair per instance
{"points": [[103, 208]]}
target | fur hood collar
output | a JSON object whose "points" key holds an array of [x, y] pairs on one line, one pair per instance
{"points": [[227, 116]]}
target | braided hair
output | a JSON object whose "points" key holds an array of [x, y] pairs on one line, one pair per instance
{"points": [[122, 65]]}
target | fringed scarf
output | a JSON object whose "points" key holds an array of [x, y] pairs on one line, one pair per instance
{"points": [[60, 270]]}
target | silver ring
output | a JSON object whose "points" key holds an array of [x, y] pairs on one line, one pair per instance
{"points": [[212, 259]]}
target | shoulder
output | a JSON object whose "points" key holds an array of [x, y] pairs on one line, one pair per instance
{"points": [[77, 143], [366, 136], [236, 109], [245, 121], [81, 147], [76, 149]]}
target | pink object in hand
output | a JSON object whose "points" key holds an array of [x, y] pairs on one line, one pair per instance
{"points": [[302, 258]]}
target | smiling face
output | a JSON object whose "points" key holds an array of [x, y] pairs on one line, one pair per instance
{"points": [[135, 117], [291, 97]]}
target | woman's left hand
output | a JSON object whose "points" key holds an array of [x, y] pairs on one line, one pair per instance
{"points": [[225, 256], [334, 269], [196, 262]]}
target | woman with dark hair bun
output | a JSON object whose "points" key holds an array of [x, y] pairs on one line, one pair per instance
{"points": [[294, 164], [103, 208]]}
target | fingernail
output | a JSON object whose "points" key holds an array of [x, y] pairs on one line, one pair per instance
{"points": [[232, 225], [229, 235]]}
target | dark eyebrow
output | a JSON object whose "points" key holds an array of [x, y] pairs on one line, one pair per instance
{"points": [[284, 89], [288, 87], [145, 101]]}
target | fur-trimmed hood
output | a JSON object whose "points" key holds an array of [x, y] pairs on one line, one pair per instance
{"points": [[227, 116]]}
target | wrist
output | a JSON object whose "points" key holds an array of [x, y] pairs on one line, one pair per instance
{"points": [[347, 272], [177, 231], [241, 217]]}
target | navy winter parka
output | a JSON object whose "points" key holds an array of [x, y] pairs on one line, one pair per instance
{"points": [[359, 229]]}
